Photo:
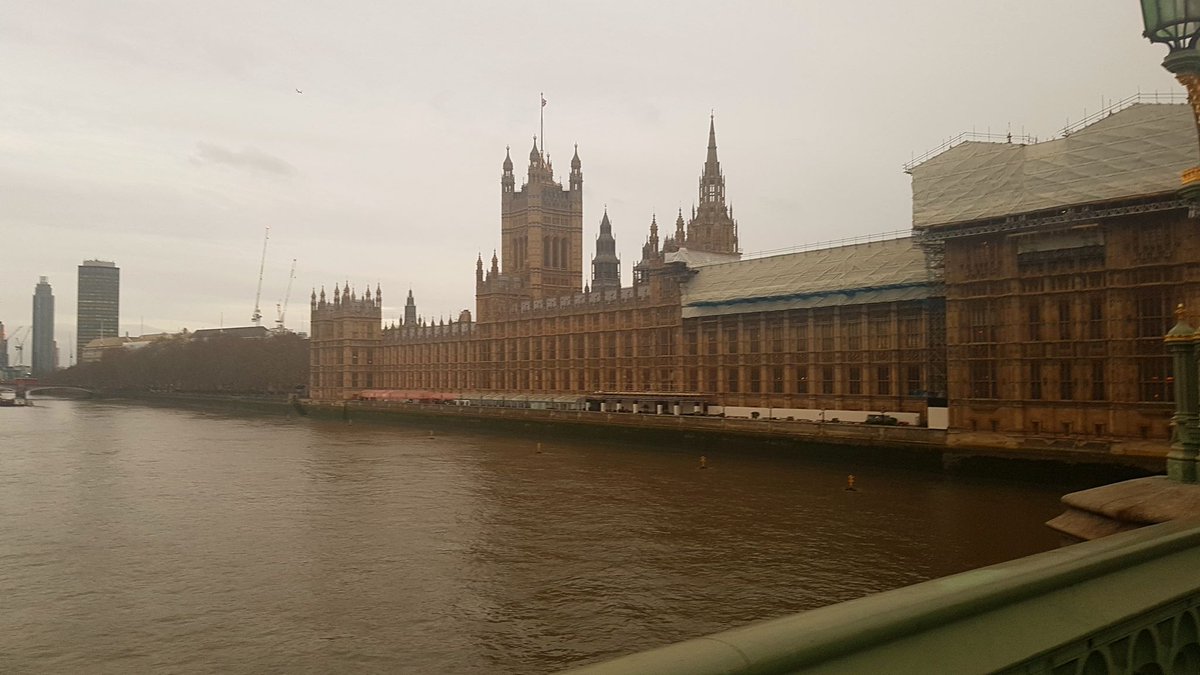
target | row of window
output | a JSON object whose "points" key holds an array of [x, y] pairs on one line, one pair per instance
{"points": [[1072, 380], [1069, 318], [903, 380]]}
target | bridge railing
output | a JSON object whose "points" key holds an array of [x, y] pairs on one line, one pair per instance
{"points": [[1128, 603]]}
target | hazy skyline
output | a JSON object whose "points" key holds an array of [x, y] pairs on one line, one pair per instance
{"points": [[166, 136]]}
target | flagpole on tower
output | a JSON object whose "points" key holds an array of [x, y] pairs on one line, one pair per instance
{"points": [[542, 121]]}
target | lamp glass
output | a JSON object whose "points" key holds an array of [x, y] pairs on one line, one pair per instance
{"points": [[1173, 21]]}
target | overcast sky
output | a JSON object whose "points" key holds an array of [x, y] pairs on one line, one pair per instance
{"points": [[165, 135]]}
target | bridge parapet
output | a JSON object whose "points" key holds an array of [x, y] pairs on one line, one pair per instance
{"points": [[1129, 603]]}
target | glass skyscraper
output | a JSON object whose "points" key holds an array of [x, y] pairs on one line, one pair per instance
{"points": [[44, 357], [99, 305]]}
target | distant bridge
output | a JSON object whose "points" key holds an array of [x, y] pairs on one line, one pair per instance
{"points": [[25, 391]]}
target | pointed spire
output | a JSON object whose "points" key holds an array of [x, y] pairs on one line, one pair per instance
{"points": [[534, 155], [679, 233], [712, 143], [508, 165], [654, 225], [575, 163], [605, 225], [378, 295]]}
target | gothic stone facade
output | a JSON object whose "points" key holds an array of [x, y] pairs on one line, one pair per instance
{"points": [[1062, 262], [1038, 319]]}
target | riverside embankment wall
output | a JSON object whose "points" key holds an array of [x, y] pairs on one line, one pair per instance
{"points": [[892, 444], [950, 447]]}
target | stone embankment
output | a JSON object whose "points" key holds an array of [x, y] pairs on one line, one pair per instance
{"points": [[948, 446]]}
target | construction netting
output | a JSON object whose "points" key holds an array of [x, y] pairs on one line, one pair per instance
{"points": [[1138, 151], [878, 271]]}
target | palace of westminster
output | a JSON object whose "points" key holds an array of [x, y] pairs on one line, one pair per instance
{"points": [[1030, 300]]}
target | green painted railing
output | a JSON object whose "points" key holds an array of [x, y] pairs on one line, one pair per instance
{"points": [[1129, 603]]}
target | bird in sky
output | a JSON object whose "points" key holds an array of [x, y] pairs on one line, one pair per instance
{"points": [[299, 92]]}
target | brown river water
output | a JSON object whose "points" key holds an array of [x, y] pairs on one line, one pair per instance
{"points": [[140, 539]]}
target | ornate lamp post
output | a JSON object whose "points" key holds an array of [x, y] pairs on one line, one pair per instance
{"points": [[1176, 23], [1181, 342]]}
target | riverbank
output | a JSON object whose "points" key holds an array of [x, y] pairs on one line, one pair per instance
{"points": [[947, 446], [913, 447]]}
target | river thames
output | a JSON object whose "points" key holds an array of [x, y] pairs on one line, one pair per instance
{"points": [[138, 539]]}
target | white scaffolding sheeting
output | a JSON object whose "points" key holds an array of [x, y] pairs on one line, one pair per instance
{"points": [[879, 271], [1138, 151]]}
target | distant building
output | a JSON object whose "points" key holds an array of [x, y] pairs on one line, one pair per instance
{"points": [[236, 332], [96, 349], [44, 357], [3, 347], [99, 302]]}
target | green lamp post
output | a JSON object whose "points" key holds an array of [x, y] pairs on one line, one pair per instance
{"points": [[1176, 23]]}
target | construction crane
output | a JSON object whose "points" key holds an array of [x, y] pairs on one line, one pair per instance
{"points": [[19, 344], [281, 309], [257, 316]]}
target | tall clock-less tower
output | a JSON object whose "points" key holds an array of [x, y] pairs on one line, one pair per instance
{"points": [[541, 227]]}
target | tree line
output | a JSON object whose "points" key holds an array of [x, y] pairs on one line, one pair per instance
{"points": [[223, 364]]}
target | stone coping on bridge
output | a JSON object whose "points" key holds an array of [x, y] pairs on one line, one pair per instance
{"points": [[1108, 509], [1127, 603]]}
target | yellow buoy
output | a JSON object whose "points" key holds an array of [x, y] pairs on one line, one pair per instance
{"points": [[703, 462], [850, 484]]}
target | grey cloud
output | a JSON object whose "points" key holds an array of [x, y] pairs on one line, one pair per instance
{"points": [[247, 158]]}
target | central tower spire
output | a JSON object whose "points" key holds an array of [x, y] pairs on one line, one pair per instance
{"points": [[712, 183], [712, 228]]}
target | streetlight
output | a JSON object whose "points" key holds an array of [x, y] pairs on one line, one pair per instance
{"points": [[1176, 23]]}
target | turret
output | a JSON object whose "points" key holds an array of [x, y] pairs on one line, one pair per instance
{"points": [[576, 171], [507, 181], [410, 310], [535, 161], [650, 249], [606, 266]]}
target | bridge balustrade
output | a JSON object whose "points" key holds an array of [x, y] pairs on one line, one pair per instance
{"points": [[1128, 603]]}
